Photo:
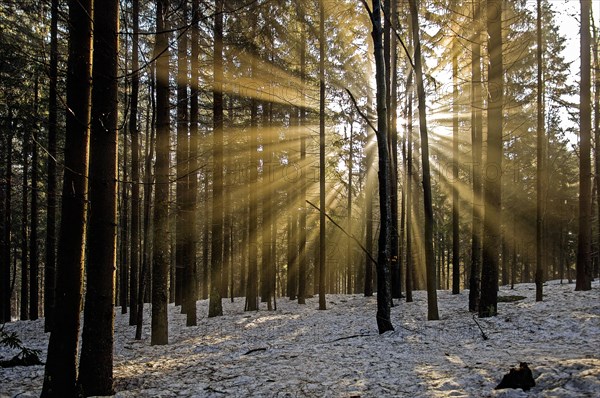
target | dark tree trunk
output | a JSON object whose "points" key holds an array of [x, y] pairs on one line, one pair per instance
{"points": [[455, 199], [432, 308], [181, 217], [25, 233], [191, 294], [33, 238], [215, 307], [5, 228], [123, 259], [145, 269], [584, 258], [476, 143], [384, 297], [60, 370], [251, 280], [302, 260], [322, 241], [539, 222], [96, 366], [134, 256], [488, 305], [409, 191], [350, 243], [369, 188], [160, 241]]}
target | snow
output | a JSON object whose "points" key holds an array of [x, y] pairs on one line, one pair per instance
{"points": [[299, 351]]}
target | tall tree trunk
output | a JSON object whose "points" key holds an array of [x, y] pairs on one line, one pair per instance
{"points": [[267, 207], [384, 297], [191, 294], [584, 258], [33, 240], [302, 260], [25, 232], [5, 229], [393, 144], [134, 256], [432, 308], [596, 140], [181, 216], [215, 307], [252, 277], [409, 194], [476, 143], [488, 305], [369, 188], [455, 182], [145, 269], [322, 204], [123, 263], [96, 366], [350, 243], [251, 280], [160, 241], [539, 222], [60, 374]]}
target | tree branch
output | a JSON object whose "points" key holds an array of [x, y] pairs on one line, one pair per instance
{"points": [[360, 112], [344, 231]]}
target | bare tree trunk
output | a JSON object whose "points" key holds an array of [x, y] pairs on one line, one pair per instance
{"points": [[322, 204], [160, 241], [539, 222], [134, 255], [584, 262], [145, 269], [25, 233], [182, 222], [215, 306], [455, 182], [33, 238], [302, 260], [191, 294], [96, 365], [488, 305], [476, 143], [5, 227], [51, 203], [432, 308], [409, 195], [60, 375], [384, 297]]}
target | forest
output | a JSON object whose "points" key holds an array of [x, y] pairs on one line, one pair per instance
{"points": [[177, 173]]}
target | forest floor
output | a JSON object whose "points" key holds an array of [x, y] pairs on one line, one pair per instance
{"points": [[298, 351]]}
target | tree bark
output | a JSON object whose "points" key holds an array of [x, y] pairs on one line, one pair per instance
{"points": [[215, 307], [182, 160], [384, 297], [60, 375], [160, 254], [25, 233], [33, 238], [134, 255], [191, 276], [488, 305], [96, 366], [302, 261], [322, 204], [539, 222], [455, 182], [476, 143], [432, 308], [584, 258]]}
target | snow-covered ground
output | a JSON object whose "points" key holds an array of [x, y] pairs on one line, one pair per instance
{"points": [[303, 352]]}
